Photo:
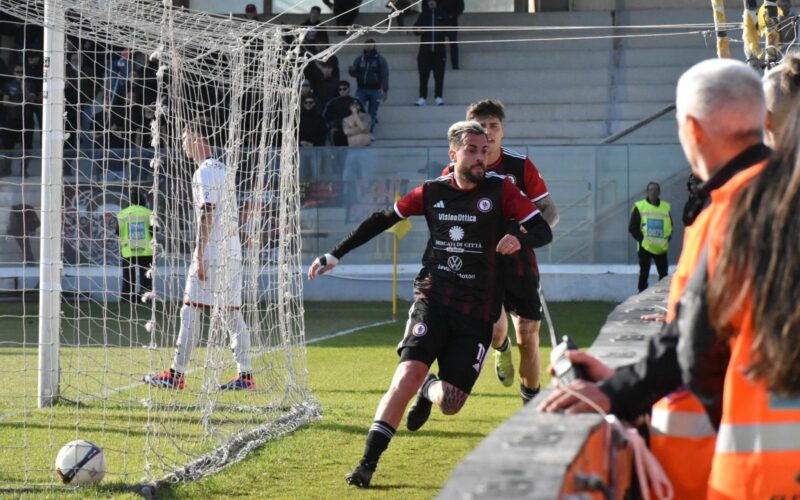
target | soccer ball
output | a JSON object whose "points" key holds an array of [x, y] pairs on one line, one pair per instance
{"points": [[80, 462]]}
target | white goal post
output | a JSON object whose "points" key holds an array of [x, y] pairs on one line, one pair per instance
{"points": [[122, 83]]}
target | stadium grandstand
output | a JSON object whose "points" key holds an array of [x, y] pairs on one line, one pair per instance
{"points": [[589, 93]]}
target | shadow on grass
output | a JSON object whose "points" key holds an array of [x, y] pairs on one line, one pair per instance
{"points": [[363, 429]]}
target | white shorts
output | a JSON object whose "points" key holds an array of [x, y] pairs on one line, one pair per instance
{"points": [[222, 286]]}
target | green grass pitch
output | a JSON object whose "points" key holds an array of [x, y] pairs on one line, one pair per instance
{"points": [[347, 374]]}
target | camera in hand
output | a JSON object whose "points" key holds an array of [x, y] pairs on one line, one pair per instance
{"points": [[563, 368]]}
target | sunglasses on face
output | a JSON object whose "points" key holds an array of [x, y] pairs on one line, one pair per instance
{"points": [[343, 88], [308, 102]]}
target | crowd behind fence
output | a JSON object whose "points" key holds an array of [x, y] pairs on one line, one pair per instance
{"points": [[594, 188]]}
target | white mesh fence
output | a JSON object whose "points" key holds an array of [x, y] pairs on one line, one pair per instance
{"points": [[138, 76]]}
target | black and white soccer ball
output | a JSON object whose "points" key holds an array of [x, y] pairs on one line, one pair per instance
{"points": [[80, 462]]}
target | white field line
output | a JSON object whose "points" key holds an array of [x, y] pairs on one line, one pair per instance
{"points": [[108, 392]]}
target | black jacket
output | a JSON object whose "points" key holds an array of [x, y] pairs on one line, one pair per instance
{"points": [[312, 127], [432, 18]]}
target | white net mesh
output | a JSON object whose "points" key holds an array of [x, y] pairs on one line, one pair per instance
{"points": [[138, 75]]}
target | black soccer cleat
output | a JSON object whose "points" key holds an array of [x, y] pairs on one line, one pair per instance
{"points": [[361, 475], [421, 409]]}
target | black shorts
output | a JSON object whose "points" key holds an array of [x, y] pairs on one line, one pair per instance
{"points": [[522, 296], [459, 342]]}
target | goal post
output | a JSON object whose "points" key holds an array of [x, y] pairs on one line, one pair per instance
{"points": [[52, 174], [106, 99]]}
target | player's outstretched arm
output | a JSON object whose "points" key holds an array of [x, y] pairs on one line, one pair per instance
{"points": [[371, 227]]}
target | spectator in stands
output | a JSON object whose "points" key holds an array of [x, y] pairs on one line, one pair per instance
{"points": [[22, 225], [135, 246], [327, 86], [305, 89], [431, 56], [251, 12], [345, 12], [402, 5], [119, 72], [693, 204], [372, 75], [452, 9], [11, 116], [336, 110], [312, 129], [72, 114], [651, 227], [357, 125], [316, 39], [32, 110], [13, 104]]}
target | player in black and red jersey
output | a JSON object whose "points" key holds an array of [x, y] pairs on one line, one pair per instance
{"points": [[522, 272], [458, 292]]}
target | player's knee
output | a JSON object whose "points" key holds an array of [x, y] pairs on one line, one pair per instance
{"points": [[408, 377]]}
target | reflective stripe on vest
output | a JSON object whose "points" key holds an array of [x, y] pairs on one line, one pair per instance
{"points": [[755, 438], [682, 424], [656, 226]]}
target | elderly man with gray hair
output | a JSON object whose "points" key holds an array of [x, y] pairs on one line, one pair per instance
{"points": [[721, 114], [459, 290]]}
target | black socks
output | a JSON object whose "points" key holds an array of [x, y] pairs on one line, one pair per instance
{"points": [[380, 433], [527, 393]]}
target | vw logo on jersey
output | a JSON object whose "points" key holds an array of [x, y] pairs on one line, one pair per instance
{"points": [[419, 330], [513, 179], [456, 233], [484, 205], [454, 263]]}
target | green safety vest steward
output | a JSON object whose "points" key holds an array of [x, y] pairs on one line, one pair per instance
{"points": [[135, 232], [656, 226]]}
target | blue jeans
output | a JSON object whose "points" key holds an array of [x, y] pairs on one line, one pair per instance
{"points": [[371, 98]]}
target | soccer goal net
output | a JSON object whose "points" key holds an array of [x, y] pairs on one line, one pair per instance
{"points": [[109, 109]]}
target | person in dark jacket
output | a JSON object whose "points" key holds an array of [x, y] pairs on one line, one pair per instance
{"points": [[345, 12], [372, 75], [452, 9], [316, 39], [327, 85], [431, 56], [312, 126], [336, 110]]}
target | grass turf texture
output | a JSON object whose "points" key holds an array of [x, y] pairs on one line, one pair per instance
{"points": [[348, 375]]}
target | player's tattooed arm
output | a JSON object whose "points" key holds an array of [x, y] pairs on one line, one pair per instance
{"points": [[549, 211]]}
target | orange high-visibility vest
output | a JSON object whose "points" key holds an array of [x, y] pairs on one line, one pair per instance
{"points": [[757, 451], [683, 437], [758, 447]]}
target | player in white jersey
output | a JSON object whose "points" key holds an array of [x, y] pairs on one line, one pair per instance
{"points": [[216, 269]]}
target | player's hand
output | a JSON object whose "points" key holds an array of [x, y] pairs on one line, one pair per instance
{"points": [[201, 270], [562, 401], [322, 265], [595, 369], [508, 245], [384, 95]]}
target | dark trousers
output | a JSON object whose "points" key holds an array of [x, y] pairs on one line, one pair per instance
{"points": [[452, 37], [346, 19], [132, 267], [427, 61], [644, 266]]}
